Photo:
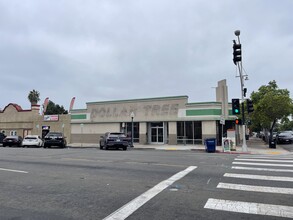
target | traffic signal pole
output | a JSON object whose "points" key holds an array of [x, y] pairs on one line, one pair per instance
{"points": [[239, 65]]}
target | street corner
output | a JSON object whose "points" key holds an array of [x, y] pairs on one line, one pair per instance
{"points": [[232, 152]]}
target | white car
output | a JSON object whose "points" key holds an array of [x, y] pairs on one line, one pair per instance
{"points": [[32, 141]]}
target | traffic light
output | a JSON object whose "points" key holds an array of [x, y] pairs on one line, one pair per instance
{"points": [[238, 121], [235, 107], [249, 106], [236, 53]]}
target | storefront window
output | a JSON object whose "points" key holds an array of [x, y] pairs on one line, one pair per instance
{"points": [[189, 132], [127, 130]]}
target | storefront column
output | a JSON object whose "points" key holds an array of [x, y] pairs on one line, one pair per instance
{"points": [[209, 130], [172, 133], [143, 133]]}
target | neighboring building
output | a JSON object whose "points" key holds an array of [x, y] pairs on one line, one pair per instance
{"points": [[165, 120], [16, 121]]}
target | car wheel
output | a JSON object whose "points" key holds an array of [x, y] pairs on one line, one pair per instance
{"points": [[106, 148], [124, 148], [101, 146]]}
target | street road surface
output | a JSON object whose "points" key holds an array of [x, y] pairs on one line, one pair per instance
{"points": [[143, 184]]}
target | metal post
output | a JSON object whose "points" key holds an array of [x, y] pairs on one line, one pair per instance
{"points": [[132, 129], [244, 146], [132, 132]]}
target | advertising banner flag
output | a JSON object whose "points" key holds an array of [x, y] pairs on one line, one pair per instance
{"points": [[71, 104], [45, 105]]}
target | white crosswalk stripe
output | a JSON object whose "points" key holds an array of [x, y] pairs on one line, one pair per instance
{"points": [[259, 177], [264, 160], [250, 208], [262, 169], [255, 188], [254, 168], [264, 164]]}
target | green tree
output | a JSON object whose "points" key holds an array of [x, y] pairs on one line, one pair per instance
{"points": [[270, 105], [286, 124], [33, 97], [55, 109]]}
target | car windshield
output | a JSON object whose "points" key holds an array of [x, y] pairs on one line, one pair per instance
{"points": [[54, 134], [30, 138], [11, 137], [285, 133], [117, 135]]}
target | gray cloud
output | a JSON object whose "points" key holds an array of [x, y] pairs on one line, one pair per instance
{"points": [[111, 50]]}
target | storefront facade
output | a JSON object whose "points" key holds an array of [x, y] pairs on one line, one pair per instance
{"points": [[166, 120], [163, 120]]}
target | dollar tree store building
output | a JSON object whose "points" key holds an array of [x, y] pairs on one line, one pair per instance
{"points": [[162, 120]]}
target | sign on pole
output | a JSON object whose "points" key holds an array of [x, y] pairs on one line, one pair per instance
{"points": [[222, 120]]}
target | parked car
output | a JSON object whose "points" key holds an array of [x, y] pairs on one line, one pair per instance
{"points": [[275, 135], [2, 136], [114, 140], [55, 139], [32, 141], [285, 137], [12, 141]]}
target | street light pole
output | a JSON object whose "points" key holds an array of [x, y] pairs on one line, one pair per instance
{"points": [[132, 116], [239, 65]]}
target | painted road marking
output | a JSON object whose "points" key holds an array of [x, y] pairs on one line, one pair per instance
{"points": [[264, 164], [154, 164], [263, 160], [262, 169], [250, 208], [139, 201], [259, 177], [252, 188], [17, 171], [87, 160], [266, 157]]}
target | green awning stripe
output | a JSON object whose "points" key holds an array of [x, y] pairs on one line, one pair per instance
{"points": [[199, 112], [83, 116]]}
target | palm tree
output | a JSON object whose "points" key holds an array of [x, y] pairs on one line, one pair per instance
{"points": [[34, 97]]}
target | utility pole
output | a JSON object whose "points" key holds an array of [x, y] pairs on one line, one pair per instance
{"points": [[237, 59]]}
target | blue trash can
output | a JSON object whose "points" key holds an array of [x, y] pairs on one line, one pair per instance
{"points": [[210, 145]]}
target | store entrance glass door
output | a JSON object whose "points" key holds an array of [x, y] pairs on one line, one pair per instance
{"points": [[157, 133]]}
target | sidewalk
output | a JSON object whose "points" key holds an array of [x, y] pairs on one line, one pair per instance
{"points": [[254, 146]]}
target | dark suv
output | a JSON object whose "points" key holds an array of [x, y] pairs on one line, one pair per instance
{"points": [[55, 139], [114, 140]]}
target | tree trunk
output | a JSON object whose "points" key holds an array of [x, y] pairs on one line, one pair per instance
{"points": [[271, 130]]}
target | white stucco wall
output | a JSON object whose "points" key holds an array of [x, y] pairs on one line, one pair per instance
{"points": [[100, 128], [209, 128]]}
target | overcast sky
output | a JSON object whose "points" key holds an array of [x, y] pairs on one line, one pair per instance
{"points": [[102, 50]]}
